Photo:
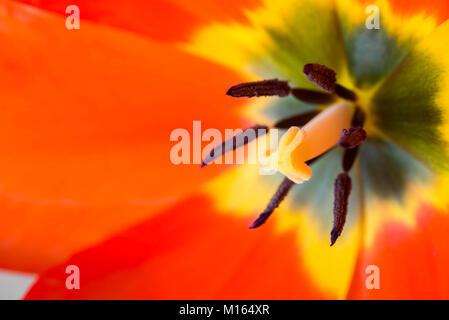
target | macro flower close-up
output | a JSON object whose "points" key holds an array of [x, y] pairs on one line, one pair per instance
{"points": [[117, 160]]}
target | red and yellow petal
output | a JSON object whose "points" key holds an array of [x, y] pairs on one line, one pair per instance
{"points": [[37, 234], [163, 20], [87, 120], [403, 228], [412, 262], [220, 10], [281, 37], [439, 9], [187, 252]]}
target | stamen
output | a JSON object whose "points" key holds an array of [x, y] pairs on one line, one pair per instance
{"points": [[345, 93], [273, 87], [342, 190], [277, 198], [352, 137], [325, 78], [349, 157], [312, 96], [358, 119], [298, 120], [321, 75], [275, 201], [234, 143]]}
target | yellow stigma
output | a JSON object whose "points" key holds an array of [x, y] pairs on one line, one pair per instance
{"points": [[299, 145]]}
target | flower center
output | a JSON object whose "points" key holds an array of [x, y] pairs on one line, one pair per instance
{"points": [[309, 136]]}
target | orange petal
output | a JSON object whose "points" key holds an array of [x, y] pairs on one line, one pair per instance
{"points": [[159, 19], [187, 252], [86, 117], [437, 8], [413, 264]]}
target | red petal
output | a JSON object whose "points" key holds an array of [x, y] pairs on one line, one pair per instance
{"points": [[187, 252], [159, 19], [413, 264]]}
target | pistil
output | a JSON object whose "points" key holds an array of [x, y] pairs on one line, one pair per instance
{"points": [[299, 145]]}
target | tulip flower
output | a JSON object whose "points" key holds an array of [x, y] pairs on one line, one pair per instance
{"points": [[361, 167]]}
